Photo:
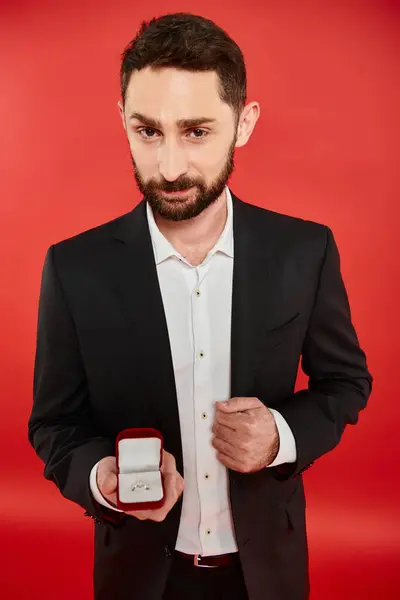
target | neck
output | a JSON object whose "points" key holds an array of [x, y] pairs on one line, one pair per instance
{"points": [[194, 238]]}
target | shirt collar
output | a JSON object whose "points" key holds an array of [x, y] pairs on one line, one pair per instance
{"points": [[163, 249]]}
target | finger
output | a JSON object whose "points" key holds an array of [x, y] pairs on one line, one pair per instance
{"points": [[112, 498], [237, 422], [177, 492], [109, 483], [112, 465], [180, 485], [231, 420], [238, 404], [224, 447], [231, 463], [226, 433], [168, 463], [171, 488], [139, 514]]}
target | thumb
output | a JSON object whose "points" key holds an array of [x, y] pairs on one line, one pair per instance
{"points": [[238, 404], [109, 483]]}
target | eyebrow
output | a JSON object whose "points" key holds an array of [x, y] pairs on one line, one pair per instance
{"points": [[181, 123]]}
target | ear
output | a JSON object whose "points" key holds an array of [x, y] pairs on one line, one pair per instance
{"points": [[247, 122], [122, 113]]}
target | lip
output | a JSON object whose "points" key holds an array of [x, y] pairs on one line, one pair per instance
{"points": [[177, 194]]}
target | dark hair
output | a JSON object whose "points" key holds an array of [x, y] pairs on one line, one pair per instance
{"points": [[190, 42]]}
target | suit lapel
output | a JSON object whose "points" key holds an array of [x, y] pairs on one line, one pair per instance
{"points": [[136, 285], [242, 314], [255, 311]]}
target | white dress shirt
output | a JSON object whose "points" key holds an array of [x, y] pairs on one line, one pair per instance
{"points": [[197, 304]]}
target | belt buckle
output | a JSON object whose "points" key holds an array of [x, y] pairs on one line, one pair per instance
{"points": [[196, 559]]}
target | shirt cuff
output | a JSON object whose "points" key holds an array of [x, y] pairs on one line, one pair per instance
{"points": [[98, 496], [287, 445]]}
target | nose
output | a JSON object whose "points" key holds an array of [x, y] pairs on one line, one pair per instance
{"points": [[172, 160]]}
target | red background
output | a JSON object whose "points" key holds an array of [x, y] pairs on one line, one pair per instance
{"points": [[323, 149]]}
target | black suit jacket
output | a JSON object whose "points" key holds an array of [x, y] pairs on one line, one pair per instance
{"points": [[103, 363]]}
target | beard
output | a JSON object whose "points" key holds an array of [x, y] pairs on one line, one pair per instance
{"points": [[197, 199]]}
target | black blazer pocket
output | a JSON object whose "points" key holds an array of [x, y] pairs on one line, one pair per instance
{"points": [[276, 336], [276, 357]]}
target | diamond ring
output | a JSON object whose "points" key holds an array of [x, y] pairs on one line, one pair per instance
{"points": [[140, 485]]}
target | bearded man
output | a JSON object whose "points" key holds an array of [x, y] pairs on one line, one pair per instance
{"points": [[189, 314]]}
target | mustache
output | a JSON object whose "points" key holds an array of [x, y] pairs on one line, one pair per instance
{"points": [[171, 186]]}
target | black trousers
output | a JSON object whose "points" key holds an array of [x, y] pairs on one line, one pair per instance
{"points": [[188, 582]]}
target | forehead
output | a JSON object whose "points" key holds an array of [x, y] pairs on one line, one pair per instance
{"points": [[170, 94]]}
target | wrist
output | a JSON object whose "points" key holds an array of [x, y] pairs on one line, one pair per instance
{"points": [[274, 449]]}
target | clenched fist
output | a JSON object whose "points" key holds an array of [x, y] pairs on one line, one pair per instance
{"points": [[245, 434], [173, 484]]}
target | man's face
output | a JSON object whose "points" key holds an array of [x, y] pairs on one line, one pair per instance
{"points": [[182, 139]]}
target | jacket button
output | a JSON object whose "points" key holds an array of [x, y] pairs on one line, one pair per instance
{"points": [[167, 550]]}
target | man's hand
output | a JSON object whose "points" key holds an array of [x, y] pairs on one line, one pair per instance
{"points": [[173, 484], [245, 434]]}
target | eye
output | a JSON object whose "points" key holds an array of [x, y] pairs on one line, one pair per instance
{"points": [[202, 133], [146, 130]]}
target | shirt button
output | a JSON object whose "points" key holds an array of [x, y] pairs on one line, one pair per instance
{"points": [[204, 415], [198, 293], [208, 531], [201, 354], [206, 475]]}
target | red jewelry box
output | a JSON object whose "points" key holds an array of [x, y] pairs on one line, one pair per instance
{"points": [[139, 456]]}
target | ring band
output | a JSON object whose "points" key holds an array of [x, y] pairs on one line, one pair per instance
{"points": [[140, 485]]}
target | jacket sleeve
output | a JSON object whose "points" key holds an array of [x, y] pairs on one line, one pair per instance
{"points": [[339, 381], [60, 427]]}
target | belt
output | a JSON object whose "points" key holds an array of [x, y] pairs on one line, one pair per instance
{"points": [[208, 561]]}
